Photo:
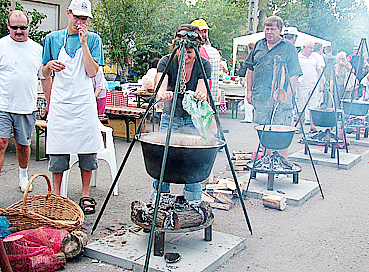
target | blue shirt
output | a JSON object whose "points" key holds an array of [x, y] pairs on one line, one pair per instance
{"points": [[54, 41]]}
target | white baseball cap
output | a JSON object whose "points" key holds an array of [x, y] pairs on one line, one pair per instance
{"points": [[290, 30], [80, 8]]}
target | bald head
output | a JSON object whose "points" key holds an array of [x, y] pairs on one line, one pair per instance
{"points": [[307, 48], [16, 14]]}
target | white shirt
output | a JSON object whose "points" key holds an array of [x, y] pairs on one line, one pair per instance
{"points": [[310, 66], [20, 67]]}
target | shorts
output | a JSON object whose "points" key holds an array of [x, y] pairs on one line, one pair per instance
{"points": [[180, 125], [23, 125], [263, 110], [302, 98], [59, 163]]}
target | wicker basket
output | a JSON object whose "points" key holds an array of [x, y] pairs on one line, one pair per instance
{"points": [[46, 210]]}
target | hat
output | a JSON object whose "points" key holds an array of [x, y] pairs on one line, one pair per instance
{"points": [[201, 24], [80, 8], [290, 30]]}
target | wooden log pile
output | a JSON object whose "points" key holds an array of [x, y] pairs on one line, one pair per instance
{"points": [[220, 192], [239, 160]]}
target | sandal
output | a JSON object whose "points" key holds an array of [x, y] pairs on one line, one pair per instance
{"points": [[87, 205]]}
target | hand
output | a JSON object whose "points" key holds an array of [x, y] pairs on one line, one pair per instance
{"points": [[165, 96], [82, 33], [199, 95], [248, 97], [46, 111], [56, 65]]}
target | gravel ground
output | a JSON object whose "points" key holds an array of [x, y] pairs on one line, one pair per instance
{"points": [[327, 234]]}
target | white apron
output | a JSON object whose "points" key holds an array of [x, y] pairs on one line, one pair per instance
{"points": [[72, 121]]}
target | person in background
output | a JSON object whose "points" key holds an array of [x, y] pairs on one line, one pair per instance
{"points": [[101, 87], [182, 122], [312, 69], [330, 61], [20, 67], [248, 107], [211, 54], [290, 33], [223, 64], [259, 76], [357, 61], [74, 56], [342, 71]]}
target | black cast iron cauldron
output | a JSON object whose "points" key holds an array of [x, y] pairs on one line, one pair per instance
{"points": [[358, 108], [324, 117], [275, 136], [190, 157]]}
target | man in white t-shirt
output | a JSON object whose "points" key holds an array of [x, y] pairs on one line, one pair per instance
{"points": [[312, 67], [20, 65]]}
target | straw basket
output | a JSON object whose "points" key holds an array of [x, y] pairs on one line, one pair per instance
{"points": [[46, 210]]}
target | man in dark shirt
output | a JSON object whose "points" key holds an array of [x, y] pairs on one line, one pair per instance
{"points": [[259, 75]]}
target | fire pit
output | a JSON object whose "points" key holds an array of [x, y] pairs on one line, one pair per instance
{"points": [[274, 164], [175, 215]]}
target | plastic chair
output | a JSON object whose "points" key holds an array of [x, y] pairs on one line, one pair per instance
{"points": [[108, 154]]}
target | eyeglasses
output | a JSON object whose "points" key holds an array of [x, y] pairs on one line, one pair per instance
{"points": [[82, 18], [190, 34], [20, 27]]}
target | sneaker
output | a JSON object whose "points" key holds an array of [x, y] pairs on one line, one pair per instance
{"points": [[245, 121], [23, 184]]}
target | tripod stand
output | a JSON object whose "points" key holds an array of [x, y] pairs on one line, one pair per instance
{"points": [[277, 101], [180, 45]]}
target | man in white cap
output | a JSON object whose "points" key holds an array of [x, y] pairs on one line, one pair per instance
{"points": [[212, 54], [73, 55], [290, 33]]}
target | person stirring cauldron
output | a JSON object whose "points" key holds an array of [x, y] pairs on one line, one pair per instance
{"points": [[194, 81]]}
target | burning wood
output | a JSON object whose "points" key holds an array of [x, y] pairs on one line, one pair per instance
{"points": [[175, 212], [274, 162]]}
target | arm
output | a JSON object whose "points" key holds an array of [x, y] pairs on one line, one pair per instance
{"points": [[163, 94], [91, 65], [249, 85], [201, 92], [293, 80], [46, 86], [97, 92]]}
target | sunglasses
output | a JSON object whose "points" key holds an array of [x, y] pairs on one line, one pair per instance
{"points": [[20, 27], [82, 18], [189, 34]]}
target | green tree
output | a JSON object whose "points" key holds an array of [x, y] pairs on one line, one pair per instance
{"points": [[35, 21], [123, 25]]}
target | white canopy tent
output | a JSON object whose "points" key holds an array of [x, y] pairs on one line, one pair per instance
{"points": [[244, 40]]}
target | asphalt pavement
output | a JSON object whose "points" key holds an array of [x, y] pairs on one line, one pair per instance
{"points": [[329, 234]]}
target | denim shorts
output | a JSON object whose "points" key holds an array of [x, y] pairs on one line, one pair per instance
{"points": [[23, 125], [59, 163]]}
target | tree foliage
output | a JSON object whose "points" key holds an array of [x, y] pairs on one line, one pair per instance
{"points": [[123, 24], [35, 21]]}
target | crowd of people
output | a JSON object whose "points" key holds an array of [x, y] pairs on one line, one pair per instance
{"points": [[70, 66]]}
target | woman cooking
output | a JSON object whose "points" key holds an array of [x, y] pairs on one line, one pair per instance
{"points": [[191, 79]]}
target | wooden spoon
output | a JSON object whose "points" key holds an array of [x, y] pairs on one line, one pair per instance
{"points": [[280, 95]]}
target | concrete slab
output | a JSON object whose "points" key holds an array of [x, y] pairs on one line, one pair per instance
{"points": [[129, 251], [351, 137], [347, 160], [296, 194]]}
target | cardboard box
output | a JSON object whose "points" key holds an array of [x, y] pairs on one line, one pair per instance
{"points": [[120, 130]]}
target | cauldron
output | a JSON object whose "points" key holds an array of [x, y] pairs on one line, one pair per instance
{"points": [[324, 118], [190, 157], [275, 136], [358, 108]]}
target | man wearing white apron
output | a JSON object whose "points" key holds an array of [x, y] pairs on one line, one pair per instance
{"points": [[74, 56]]}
